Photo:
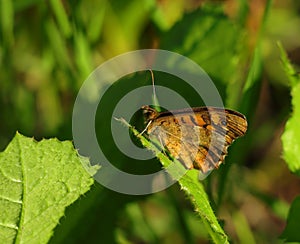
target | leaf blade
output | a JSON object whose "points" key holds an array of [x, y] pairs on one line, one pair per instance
{"points": [[193, 189], [291, 135], [38, 181]]}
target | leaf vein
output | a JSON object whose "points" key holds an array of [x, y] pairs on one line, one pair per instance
{"points": [[10, 226], [10, 199]]}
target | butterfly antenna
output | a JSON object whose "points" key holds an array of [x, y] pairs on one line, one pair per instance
{"points": [[154, 97]]}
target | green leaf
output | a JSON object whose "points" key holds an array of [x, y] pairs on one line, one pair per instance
{"points": [[291, 135], [243, 229], [38, 180], [195, 191], [291, 232], [7, 22], [62, 17], [192, 187], [203, 41]]}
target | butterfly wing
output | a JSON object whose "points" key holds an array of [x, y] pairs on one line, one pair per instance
{"points": [[199, 137]]}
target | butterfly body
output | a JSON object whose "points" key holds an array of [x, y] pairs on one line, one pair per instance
{"points": [[197, 137]]}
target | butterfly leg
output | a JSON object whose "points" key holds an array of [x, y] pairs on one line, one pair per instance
{"points": [[141, 133], [162, 146]]}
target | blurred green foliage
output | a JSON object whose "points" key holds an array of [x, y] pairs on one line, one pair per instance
{"points": [[48, 49]]}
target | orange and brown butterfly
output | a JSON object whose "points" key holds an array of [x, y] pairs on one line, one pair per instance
{"points": [[197, 137]]}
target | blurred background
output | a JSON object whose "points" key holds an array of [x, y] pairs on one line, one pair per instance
{"points": [[48, 49]]}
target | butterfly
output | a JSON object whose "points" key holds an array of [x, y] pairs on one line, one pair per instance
{"points": [[197, 137]]}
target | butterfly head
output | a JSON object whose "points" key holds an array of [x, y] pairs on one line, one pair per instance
{"points": [[149, 113]]}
